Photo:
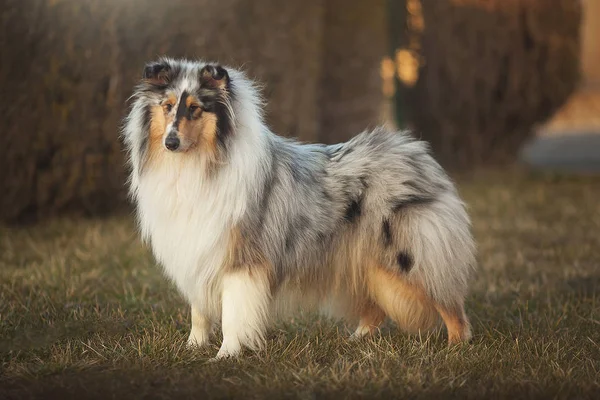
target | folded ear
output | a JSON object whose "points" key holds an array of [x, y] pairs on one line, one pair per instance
{"points": [[157, 73], [214, 77]]}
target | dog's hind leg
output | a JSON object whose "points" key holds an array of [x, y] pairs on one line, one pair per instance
{"points": [[201, 329], [246, 294], [412, 309], [457, 323], [370, 318], [405, 303]]}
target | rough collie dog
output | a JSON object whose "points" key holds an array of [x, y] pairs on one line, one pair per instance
{"points": [[251, 226]]}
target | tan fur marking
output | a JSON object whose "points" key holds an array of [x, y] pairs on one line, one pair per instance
{"points": [[213, 83], [457, 324], [191, 100], [243, 254], [186, 129], [412, 309], [208, 133], [405, 303], [171, 99], [158, 124], [370, 318], [242, 251]]}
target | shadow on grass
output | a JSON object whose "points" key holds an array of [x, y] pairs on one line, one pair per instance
{"points": [[172, 383]]}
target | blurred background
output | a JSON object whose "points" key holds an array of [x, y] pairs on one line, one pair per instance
{"points": [[489, 83]]}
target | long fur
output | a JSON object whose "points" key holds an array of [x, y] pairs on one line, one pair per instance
{"points": [[252, 226]]}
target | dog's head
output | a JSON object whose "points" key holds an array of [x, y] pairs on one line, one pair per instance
{"points": [[187, 107]]}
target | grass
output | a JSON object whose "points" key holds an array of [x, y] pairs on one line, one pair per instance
{"points": [[85, 312]]}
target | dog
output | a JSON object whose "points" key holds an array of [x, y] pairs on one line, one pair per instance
{"points": [[252, 226]]}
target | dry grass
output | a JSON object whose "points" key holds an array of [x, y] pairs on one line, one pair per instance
{"points": [[85, 312]]}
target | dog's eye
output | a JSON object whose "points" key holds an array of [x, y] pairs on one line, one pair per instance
{"points": [[193, 108], [168, 107]]}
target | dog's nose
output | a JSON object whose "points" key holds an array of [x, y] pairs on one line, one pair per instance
{"points": [[172, 142]]}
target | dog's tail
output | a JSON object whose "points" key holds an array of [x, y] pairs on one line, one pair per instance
{"points": [[429, 265], [440, 242]]}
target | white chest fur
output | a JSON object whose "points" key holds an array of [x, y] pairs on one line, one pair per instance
{"points": [[187, 221]]}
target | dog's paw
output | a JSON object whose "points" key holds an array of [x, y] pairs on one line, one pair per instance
{"points": [[220, 357], [228, 350], [360, 333], [355, 338], [196, 340]]}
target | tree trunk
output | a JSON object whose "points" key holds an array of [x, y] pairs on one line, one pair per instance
{"points": [[491, 70]]}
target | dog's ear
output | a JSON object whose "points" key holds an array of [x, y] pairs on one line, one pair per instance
{"points": [[214, 77], [157, 73]]}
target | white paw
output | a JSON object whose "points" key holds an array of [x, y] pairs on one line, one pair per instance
{"points": [[197, 339], [228, 349], [354, 337], [359, 333]]}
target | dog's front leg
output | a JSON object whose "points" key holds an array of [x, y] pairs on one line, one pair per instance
{"points": [[245, 301], [201, 328]]}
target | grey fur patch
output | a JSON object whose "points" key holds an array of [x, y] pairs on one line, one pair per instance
{"points": [[295, 232], [308, 194], [411, 201]]}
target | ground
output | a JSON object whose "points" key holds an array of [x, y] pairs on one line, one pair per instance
{"points": [[85, 312]]}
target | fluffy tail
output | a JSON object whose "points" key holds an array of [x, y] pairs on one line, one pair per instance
{"points": [[434, 253], [439, 239]]}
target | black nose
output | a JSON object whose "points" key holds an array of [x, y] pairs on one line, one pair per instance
{"points": [[172, 142]]}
